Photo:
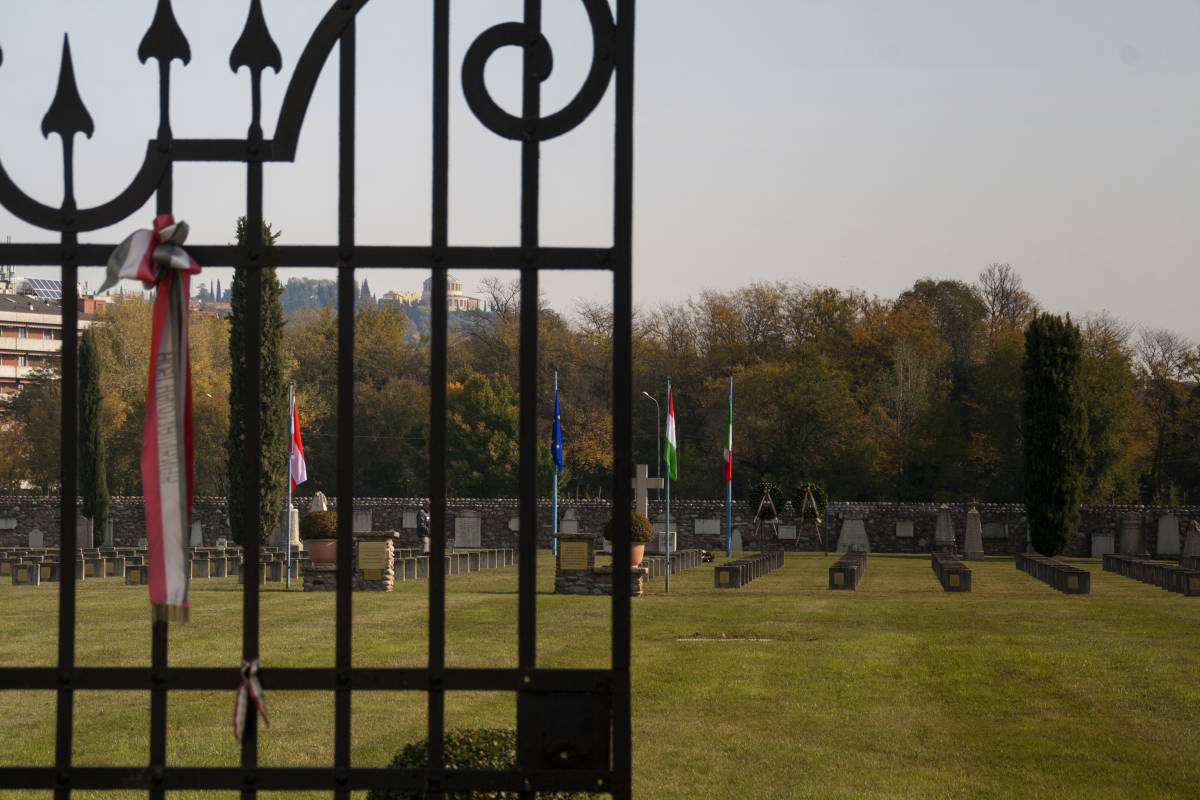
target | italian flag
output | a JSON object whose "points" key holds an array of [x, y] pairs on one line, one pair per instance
{"points": [[671, 454], [729, 443]]}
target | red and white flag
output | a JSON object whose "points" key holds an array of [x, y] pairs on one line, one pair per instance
{"points": [[296, 468]]}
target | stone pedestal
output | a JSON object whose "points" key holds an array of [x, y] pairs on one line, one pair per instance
{"points": [[374, 565], [319, 577]]}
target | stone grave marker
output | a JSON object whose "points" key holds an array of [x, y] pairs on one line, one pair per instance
{"points": [[854, 533], [569, 522], [319, 503], [8, 524], [83, 532], [362, 521], [1131, 535], [736, 545], [36, 538], [642, 483], [197, 537], [787, 531], [995, 530], [973, 537], [1168, 536], [468, 529], [708, 527], [408, 519], [1191, 545], [514, 524], [1102, 544], [280, 537], [904, 529], [943, 534], [26, 575], [659, 543]]}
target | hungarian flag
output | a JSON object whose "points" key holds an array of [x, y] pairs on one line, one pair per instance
{"points": [[296, 468], [729, 441], [671, 455]]}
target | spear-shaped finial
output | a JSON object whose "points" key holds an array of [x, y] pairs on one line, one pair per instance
{"points": [[67, 114], [255, 48], [164, 39]]}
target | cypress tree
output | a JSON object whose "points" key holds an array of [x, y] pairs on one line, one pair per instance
{"points": [[272, 401], [93, 461], [1054, 428]]}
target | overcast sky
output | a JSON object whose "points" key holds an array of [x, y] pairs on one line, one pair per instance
{"points": [[844, 143]]}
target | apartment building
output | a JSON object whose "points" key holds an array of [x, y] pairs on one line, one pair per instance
{"points": [[31, 326]]}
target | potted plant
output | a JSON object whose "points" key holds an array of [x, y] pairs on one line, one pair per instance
{"points": [[318, 530], [640, 532]]}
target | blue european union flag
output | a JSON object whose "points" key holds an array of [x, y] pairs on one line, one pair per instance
{"points": [[556, 442]]}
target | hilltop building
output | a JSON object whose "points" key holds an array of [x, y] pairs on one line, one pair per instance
{"points": [[455, 299], [31, 328]]}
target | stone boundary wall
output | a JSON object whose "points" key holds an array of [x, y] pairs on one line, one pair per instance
{"points": [[699, 523]]}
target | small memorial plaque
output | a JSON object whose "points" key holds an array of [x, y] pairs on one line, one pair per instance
{"points": [[371, 574], [723, 578], [954, 580], [1072, 581], [573, 555], [372, 556], [838, 579], [904, 529]]}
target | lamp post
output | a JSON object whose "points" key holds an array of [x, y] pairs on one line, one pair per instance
{"points": [[657, 439]]}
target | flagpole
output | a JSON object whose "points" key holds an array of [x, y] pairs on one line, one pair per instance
{"points": [[287, 570], [554, 505], [729, 483], [667, 532]]}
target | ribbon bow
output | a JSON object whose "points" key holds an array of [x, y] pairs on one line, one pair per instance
{"points": [[141, 254], [156, 258], [250, 689]]}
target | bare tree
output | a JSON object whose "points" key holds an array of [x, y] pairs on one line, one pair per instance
{"points": [[1166, 361], [1007, 303]]}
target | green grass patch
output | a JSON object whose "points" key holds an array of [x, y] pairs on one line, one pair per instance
{"points": [[780, 689]]}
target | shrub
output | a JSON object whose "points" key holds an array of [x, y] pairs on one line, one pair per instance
{"points": [[319, 525], [469, 748], [640, 529]]}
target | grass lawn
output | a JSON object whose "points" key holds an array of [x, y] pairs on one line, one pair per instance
{"points": [[781, 689]]}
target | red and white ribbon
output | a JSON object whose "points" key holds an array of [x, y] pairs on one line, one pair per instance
{"points": [[157, 258], [249, 690]]}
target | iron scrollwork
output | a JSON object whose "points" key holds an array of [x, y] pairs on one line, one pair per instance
{"points": [[518, 34]]}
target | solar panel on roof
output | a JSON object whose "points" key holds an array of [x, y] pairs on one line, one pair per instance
{"points": [[45, 289]]}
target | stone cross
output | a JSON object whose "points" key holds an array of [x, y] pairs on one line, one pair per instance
{"points": [[641, 483]]}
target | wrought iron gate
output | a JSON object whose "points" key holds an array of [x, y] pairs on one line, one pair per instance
{"points": [[573, 725]]}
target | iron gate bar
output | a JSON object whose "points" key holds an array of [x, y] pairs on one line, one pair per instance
{"points": [[302, 255], [165, 42], [384, 679], [310, 778], [345, 424]]}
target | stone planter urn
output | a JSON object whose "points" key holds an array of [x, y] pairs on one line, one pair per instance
{"points": [[321, 551], [637, 551]]}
